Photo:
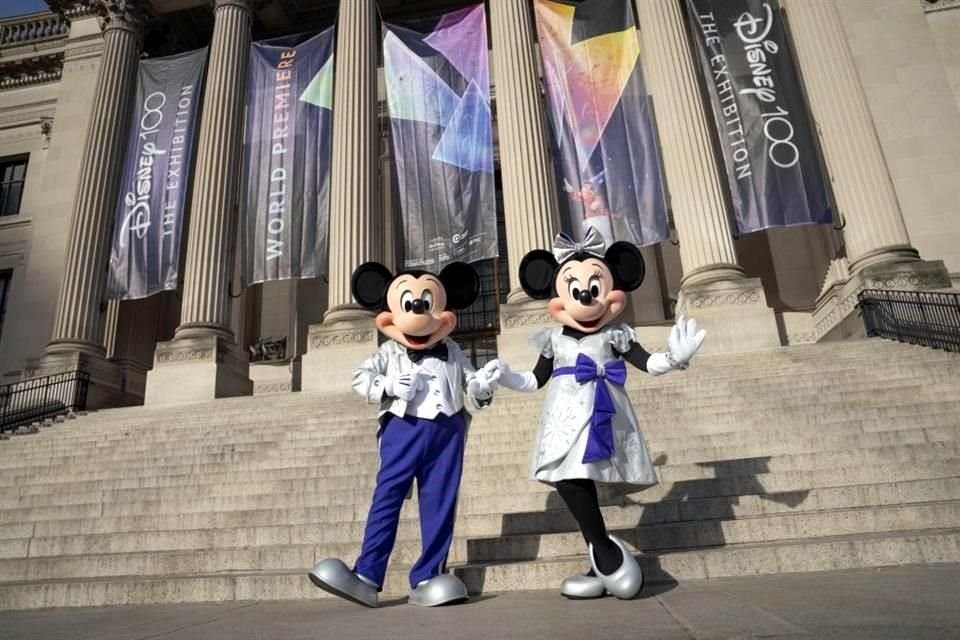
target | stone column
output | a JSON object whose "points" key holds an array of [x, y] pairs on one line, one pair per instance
{"points": [[348, 334], [526, 171], [714, 289], [203, 360], [877, 244], [77, 339]]}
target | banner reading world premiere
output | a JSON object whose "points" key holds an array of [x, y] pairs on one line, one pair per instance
{"points": [[287, 157], [768, 147], [605, 148], [145, 254], [438, 98]]}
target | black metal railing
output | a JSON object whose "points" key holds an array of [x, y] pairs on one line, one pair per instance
{"points": [[41, 398], [927, 318]]}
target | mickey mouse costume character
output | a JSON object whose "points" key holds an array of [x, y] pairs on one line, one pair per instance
{"points": [[588, 432], [419, 377]]}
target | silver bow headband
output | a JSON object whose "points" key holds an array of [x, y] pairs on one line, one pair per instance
{"points": [[565, 248]]}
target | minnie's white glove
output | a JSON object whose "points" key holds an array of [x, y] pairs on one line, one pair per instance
{"points": [[685, 339], [526, 381], [404, 386]]}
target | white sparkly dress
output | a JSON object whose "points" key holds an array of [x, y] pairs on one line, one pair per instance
{"points": [[567, 410]]}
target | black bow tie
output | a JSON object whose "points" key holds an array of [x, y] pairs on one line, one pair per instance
{"points": [[438, 350]]}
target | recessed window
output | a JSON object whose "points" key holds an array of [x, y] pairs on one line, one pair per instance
{"points": [[4, 289], [13, 172]]}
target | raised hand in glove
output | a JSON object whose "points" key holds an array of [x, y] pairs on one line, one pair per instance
{"points": [[685, 339], [404, 386]]}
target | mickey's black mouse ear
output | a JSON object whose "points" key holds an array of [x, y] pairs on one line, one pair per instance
{"points": [[537, 271], [461, 283], [369, 285], [626, 265]]}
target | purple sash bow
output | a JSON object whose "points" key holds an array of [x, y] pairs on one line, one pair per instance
{"points": [[600, 438]]}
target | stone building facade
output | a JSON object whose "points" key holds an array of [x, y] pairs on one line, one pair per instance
{"points": [[882, 79]]}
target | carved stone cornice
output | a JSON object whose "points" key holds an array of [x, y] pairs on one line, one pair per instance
{"points": [[29, 71], [930, 6], [72, 8]]}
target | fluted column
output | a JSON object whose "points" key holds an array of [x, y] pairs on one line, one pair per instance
{"points": [[693, 180], [216, 185], [79, 321], [875, 231], [529, 190], [355, 188], [203, 361], [347, 334]]}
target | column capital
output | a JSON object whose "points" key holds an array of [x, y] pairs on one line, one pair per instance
{"points": [[247, 5], [129, 15]]}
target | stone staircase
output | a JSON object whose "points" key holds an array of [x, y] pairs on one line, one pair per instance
{"points": [[801, 459]]}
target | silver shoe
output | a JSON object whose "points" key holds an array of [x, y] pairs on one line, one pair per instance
{"points": [[442, 589], [582, 587], [333, 576], [627, 581]]}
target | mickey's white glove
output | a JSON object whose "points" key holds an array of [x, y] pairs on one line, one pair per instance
{"points": [[484, 382], [404, 386], [685, 339], [526, 381]]}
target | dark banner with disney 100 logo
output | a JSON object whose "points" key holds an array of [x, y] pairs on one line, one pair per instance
{"points": [[145, 252], [757, 101]]}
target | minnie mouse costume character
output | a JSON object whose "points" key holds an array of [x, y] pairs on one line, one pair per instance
{"points": [[588, 432], [419, 377]]}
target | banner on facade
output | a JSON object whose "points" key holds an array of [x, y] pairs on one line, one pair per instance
{"points": [[607, 162], [438, 98], [287, 152], [145, 253], [768, 146]]}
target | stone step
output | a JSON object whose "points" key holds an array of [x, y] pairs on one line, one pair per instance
{"points": [[485, 445], [815, 554], [503, 497], [261, 433], [755, 529], [492, 477], [493, 455], [868, 418], [20, 557], [666, 434], [671, 502]]}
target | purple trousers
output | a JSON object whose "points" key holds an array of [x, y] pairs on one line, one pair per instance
{"points": [[432, 452]]}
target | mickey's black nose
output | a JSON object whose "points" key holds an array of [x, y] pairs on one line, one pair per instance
{"points": [[585, 297], [418, 306]]}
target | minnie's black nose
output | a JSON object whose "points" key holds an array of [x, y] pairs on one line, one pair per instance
{"points": [[585, 297], [417, 306]]}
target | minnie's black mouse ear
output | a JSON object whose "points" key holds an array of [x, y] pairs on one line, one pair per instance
{"points": [[461, 283], [537, 271], [369, 285], [626, 265]]}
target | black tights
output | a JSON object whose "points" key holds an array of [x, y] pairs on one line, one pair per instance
{"points": [[580, 495]]}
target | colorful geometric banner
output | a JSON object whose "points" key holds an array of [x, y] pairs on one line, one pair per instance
{"points": [[768, 145], [287, 156], [145, 253], [438, 99], [604, 144]]}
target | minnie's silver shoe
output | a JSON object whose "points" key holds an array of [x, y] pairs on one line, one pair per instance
{"points": [[442, 589], [625, 582], [334, 577], [582, 587]]}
